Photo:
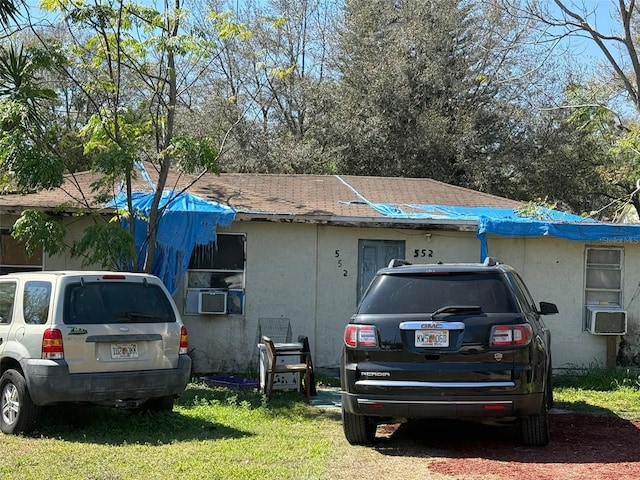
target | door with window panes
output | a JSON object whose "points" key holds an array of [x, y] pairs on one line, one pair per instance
{"points": [[374, 255]]}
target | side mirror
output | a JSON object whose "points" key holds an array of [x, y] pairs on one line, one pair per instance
{"points": [[547, 308]]}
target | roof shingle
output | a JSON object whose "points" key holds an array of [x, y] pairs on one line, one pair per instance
{"points": [[308, 195]]}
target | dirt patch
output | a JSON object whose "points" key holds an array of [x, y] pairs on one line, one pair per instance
{"points": [[581, 447]]}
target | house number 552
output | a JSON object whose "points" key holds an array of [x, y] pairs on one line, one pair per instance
{"points": [[345, 273], [422, 253]]}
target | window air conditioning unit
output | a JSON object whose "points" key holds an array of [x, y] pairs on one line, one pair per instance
{"points": [[606, 321], [212, 301]]}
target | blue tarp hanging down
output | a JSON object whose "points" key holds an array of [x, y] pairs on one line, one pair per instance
{"points": [[186, 221]]}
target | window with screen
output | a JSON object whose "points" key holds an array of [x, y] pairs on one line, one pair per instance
{"points": [[603, 276], [216, 271]]}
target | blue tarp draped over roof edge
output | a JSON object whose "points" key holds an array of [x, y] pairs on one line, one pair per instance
{"points": [[186, 221], [508, 223]]}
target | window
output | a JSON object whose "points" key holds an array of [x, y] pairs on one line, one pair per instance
{"points": [[7, 299], [426, 293], [13, 257], [35, 302], [523, 295], [217, 266], [603, 279], [116, 302]]}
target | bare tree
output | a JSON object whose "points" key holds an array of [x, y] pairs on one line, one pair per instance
{"points": [[606, 100], [269, 84]]}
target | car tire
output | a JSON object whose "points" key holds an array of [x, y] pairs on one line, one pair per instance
{"points": [[549, 393], [358, 429], [18, 413], [535, 428]]}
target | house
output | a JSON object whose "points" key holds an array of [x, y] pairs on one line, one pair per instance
{"points": [[301, 250]]}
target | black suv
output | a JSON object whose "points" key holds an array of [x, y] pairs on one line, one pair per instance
{"points": [[449, 341]]}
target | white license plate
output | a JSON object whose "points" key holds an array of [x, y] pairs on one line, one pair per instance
{"points": [[129, 350], [432, 338]]}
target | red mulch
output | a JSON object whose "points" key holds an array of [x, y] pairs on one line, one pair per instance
{"points": [[581, 447]]}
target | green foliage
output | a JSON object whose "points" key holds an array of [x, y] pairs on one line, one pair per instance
{"points": [[619, 167], [24, 165], [27, 163], [227, 28], [193, 155], [105, 244], [114, 141], [39, 232], [536, 210], [18, 69], [410, 100], [8, 12], [129, 63]]}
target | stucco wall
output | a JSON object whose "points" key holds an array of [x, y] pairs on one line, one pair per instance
{"points": [[338, 271], [554, 271], [280, 281], [308, 273]]}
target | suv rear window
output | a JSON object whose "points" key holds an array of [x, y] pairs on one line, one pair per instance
{"points": [[425, 293], [117, 302]]}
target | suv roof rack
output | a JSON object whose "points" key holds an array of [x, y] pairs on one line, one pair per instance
{"points": [[397, 262], [491, 262]]}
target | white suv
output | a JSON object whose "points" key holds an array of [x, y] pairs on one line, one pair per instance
{"points": [[112, 338]]}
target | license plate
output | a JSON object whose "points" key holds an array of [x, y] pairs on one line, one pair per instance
{"points": [[129, 350], [432, 338]]}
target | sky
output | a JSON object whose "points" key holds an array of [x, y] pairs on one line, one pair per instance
{"points": [[601, 15]]}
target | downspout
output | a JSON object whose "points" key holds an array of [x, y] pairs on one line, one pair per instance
{"points": [[484, 247], [482, 236]]}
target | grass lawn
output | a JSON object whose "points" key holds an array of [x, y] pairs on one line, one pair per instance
{"points": [[603, 392], [217, 433], [212, 433]]}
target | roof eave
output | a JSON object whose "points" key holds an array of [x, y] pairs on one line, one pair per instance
{"points": [[347, 221]]}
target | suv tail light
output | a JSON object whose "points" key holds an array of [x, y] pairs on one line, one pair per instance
{"points": [[52, 348], [360, 336], [184, 340], [511, 335]]}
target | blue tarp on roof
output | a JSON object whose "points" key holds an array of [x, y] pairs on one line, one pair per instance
{"points": [[510, 223], [186, 221]]}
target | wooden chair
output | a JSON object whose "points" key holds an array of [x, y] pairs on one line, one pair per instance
{"points": [[302, 366]]}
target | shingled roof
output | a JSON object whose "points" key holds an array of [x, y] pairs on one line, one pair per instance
{"points": [[280, 195]]}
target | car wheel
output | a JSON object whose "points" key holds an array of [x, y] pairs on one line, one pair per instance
{"points": [[535, 428], [358, 429], [158, 405], [18, 412]]}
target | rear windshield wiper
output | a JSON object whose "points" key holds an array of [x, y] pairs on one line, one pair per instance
{"points": [[456, 309]]}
